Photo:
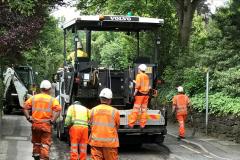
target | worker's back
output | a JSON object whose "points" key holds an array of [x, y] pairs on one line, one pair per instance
{"points": [[42, 106], [142, 83], [181, 101], [104, 124], [77, 115]]}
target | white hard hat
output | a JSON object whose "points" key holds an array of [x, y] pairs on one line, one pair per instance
{"points": [[45, 84], [106, 93], [180, 89], [142, 67]]}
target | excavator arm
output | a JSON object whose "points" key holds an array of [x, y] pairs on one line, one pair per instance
{"points": [[11, 77]]}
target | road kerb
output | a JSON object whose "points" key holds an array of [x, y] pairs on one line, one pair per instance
{"points": [[191, 143], [199, 146]]}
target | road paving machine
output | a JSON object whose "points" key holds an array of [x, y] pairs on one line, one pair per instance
{"points": [[84, 80]]}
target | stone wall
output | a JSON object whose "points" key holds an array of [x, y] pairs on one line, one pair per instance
{"points": [[1, 97], [223, 127]]}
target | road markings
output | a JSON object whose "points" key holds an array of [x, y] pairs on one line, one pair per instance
{"points": [[214, 155], [208, 156], [201, 147], [174, 156], [15, 138], [3, 149], [190, 149]]}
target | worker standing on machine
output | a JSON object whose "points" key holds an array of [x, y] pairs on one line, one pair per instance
{"points": [[77, 122], [141, 96], [105, 121], [45, 111]]}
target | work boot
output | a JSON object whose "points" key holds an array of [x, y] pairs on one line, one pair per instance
{"points": [[180, 137], [36, 157]]}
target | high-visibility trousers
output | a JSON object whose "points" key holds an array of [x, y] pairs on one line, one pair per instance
{"points": [[41, 139], [104, 153], [181, 121], [79, 140], [140, 105]]}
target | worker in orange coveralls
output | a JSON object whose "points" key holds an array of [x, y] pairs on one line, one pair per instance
{"points": [[180, 104], [105, 121], [77, 121], [141, 95], [44, 112]]}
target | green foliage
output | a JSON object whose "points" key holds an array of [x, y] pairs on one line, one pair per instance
{"points": [[200, 34], [219, 103], [168, 50], [1, 86], [25, 7], [21, 21], [47, 53], [1, 94], [219, 49], [119, 52], [228, 81], [194, 80]]}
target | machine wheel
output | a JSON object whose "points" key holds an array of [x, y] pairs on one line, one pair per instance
{"points": [[160, 139], [7, 109], [137, 145]]}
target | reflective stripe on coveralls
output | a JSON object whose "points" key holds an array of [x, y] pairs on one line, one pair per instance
{"points": [[74, 118], [181, 108], [103, 124], [76, 145], [79, 139], [48, 109], [181, 112], [41, 149], [142, 83], [141, 101], [139, 108], [77, 117], [104, 132]]}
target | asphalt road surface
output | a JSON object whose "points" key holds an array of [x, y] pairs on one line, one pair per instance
{"points": [[15, 145]]}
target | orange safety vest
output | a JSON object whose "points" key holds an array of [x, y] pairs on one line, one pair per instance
{"points": [[181, 102], [43, 106], [142, 83], [104, 121]]}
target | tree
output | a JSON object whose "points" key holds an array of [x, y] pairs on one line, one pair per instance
{"points": [[149, 8], [118, 52], [216, 46], [185, 11], [20, 24], [46, 54]]}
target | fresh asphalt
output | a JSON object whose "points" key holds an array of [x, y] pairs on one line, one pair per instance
{"points": [[16, 134]]}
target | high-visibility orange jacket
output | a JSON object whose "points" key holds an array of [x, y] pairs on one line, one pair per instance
{"points": [[43, 106], [77, 115], [181, 101], [104, 121], [142, 83]]}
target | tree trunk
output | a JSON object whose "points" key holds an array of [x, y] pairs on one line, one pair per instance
{"points": [[185, 12]]}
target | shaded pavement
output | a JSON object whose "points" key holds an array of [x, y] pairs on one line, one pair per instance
{"points": [[218, 148]]}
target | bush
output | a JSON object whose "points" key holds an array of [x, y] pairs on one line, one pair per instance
{"points": [[1, 94], [219, 104]]}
